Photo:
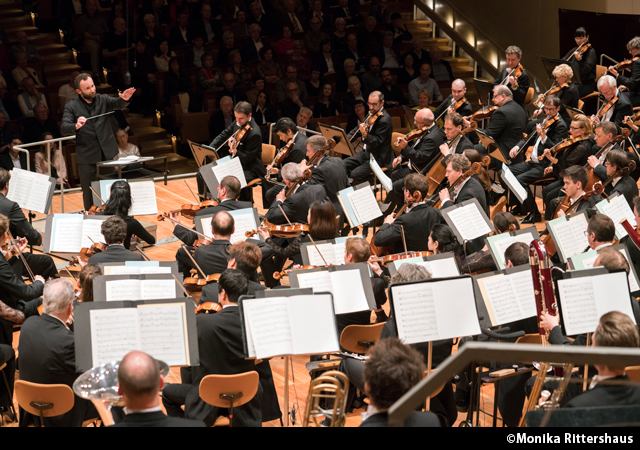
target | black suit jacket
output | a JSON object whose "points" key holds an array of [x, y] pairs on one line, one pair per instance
{"points": [[378, 140], [156, 419], [177, 40], [7, 163], [608, 395], [47, 356], [507, 125], [115, 253], [18, 223], [471, 189], [625, 186], [394, 94], [200, 30], [632, 82], [221, 352], [249, 149], [464, 110], [210, 291], [212, 258], [520, 92], [423, 152], [417, 225], [296, 206], [621, 109], [95, 138], [555, 134]]}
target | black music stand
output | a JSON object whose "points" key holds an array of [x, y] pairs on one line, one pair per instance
{"points": [[484, 90], [551, 63]]}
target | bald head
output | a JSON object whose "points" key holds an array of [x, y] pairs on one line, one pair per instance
{"points": [[222, 225], [426, 115], [139, 379]]}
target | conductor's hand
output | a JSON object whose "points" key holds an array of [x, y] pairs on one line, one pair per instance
{"points": [[126, 95], [549, 322], [81, 121]]}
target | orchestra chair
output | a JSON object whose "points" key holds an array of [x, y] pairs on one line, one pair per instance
{"points": [[529, 97], [394, 139], [200, 153], [485, 377], [268, 154], [327, 398], [541, 183], [227, 391], [12, 410], [353, 339], [46, 400], [633, 372]]}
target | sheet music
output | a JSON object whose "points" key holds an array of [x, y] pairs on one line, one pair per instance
{"points": [[270, 326], [502, 244], [162, 332], [205, 223], [522, 283], [570, 234], [30, 190], [317, 334], [441, 268], [385, 181], [513, 184], [143, 198], [67, 233], [123, 290], [231, 167], [364, 204], [579, 309], [320, 281], [134, 270], [328, 251], [499, 292], [633, 282], [157, 289], [244, 220], [113, 334], [415, 311], [617, 208], [91, 229], [469, 221], [348, 292]]}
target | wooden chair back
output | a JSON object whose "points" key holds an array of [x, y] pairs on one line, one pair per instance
{"points": [[44, 400], [359, 338]]}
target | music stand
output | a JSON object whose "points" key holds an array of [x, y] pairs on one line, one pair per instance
{"points": [[343, 146], [484, 90], [409, 114], [551, 63]]}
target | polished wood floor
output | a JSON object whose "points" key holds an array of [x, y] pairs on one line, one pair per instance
{"points": [[171, 197]]}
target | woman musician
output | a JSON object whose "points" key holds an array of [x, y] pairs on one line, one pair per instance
{"points": [[585, 55], [568, 92], [575, 154]]}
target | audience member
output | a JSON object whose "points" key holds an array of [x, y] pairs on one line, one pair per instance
{"points": [[440, 69], [228, 45], [424, 81], [22, 71], [407, 73], [22, 46], [40, 123], [92, 29], [30, 97], [125, 148], [67, 92], [314, 37], [51, 151], [371, 79], [284, 46], [267, 67], [326, 106], [208, 77], [253, 45]]}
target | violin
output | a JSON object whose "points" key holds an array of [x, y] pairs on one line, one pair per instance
{"points": [[414, 134], [189, 211], [605, 108], [568, 208], [461, 179], [482, 114], [368, 123], [86, 253], [282, 154], [593, 178], [239, 134], [553, 91], [397, 257], [546, 124], [565, 144], [195, 283], [285, 231], [201, 241], [317, 156], [622, 65], [9, 250], [581, 50], [95, 210], [516, 72], [208, 308], [279, 275]]}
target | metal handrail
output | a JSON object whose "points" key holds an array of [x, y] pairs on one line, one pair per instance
{"points": [[504, 352], [22, 148]]}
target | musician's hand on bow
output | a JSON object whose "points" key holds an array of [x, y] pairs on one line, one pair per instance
{"points": [[613, 71], [513, 152], [548, 170], [629, 122], [578, 56], [390, 219], [175, 216], [444, 195], [445, 150], [375, 267], [466, 122], [363, 128], [39, 278], [595, 119], [264, 233], [303, 165], [126, 95], [402, 142], [549, 322], [232, 146], [537, 112], [541, 132], [513, 82], [593, 161], [281, 195], [22, 244], [396, 161]]}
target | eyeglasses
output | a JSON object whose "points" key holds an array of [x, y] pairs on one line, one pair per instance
{"points": [[575, 128]]}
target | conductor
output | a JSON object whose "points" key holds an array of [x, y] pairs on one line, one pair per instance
{"points": [[95, 140]]}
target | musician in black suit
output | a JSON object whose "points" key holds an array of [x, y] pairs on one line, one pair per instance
{"points": [[139, 382], [221, 352], [621, 108], [574, 179], [248, 149], [296, 206], [377, 142], [632, 248], [587, 61], [95, 140], [47, 353], [228, 193], [287, 131], [542, 135], [624, 185], [418, 155], [384, 384], [632, 82], [417, 221], [507, 123], [519, 85], [114, 230], [328, 172], [458, 91]]}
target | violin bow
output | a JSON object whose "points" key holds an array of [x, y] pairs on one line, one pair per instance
{"points": [[314, 244], [190, 190], [96, 194], [404, 241], [135, 243], [186, 227], [22, 258], [181, 286], [284, 214], [184, 247], [69, 272]]}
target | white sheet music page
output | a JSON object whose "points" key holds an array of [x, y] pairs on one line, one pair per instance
{"points": [[206, 226], [313, 324], [522, 283], [135, 270], [157, 289], [501, 245], [364, 204], [328, 252], [117, 290], [231, 167], [244, 220], [617, 208], [320, 281], [415, 310], [114, 333], [163, 334], [30, 190], [571, 236], [502, 306], [513, 183], [270, 326], [91, 232], [143, 198], [348, 292], [441, 268], [385, 181], [66, 233], [469, 221]]}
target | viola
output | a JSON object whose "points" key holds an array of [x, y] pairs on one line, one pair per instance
{"points": [[201, 241], [279, 275], [553, 91], [368, 123], [565, 144], [414, 134], [86, 253], [10, 250], [397, 257], [516, 72], [606, 107], [469, 173], [568, 208], [482, 114], [189, 211], [95, 210], [593, 178], [285, 231], [283, 153], [240, 133], [195, 283], [622, 65], [208, 308]]}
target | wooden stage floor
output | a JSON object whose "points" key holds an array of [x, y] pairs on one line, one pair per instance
{"points": [[172, 196]]}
